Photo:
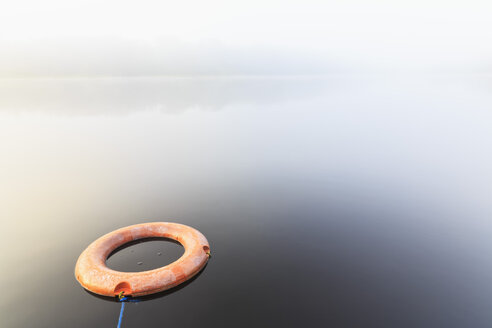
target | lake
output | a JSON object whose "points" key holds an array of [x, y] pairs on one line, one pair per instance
{"points": [[344, 201]]}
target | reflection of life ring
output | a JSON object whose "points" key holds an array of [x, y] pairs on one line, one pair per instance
{"points": [[93, 274]]}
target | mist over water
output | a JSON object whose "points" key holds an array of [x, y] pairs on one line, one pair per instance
{"points": [[349, 201], [257, 37]]}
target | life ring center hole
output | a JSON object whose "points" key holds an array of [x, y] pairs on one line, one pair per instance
{"points": [[144, 254]]}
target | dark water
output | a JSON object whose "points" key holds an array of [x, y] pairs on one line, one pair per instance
{"points": [[327, 202], [144, 254]]}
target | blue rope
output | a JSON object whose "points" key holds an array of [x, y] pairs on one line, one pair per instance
{"points": [[121, 314], [123, 300]]}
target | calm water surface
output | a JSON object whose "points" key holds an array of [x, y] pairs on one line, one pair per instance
{"points": [[327, 202]]}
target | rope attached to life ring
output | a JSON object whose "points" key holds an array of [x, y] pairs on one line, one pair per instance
{"points": [[123, 300], [121, 314]]}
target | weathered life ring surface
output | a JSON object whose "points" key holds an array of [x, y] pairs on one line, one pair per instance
{"points": [[93, 274]]}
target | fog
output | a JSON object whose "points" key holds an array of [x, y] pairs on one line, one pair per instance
{"points": [[126, 38]]}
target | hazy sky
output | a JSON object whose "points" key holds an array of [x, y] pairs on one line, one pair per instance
{"points": [[148, 37]]}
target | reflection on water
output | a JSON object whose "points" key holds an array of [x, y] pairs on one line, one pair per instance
{"points": [[327, 202], [118, 96]]}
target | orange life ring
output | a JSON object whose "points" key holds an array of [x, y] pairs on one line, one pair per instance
{"points": [[93, 274]]}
